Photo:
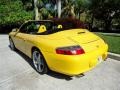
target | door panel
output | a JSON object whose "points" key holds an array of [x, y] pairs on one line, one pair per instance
{"points": [[20, 41], [28, 44]]}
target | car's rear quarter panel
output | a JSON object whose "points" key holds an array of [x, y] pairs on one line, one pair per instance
{"points": [[74, 64]]}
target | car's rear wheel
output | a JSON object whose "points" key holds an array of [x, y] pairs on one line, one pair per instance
{"points": [[39, 62], [12, 46]]}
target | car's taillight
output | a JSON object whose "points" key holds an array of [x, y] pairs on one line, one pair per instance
{"points": [[70, 50]]}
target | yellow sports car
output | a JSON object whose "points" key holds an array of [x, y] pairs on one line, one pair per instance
{"points": [[63, 48]]}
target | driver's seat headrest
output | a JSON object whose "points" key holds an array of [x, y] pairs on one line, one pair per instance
{"points": [[42, 28]]}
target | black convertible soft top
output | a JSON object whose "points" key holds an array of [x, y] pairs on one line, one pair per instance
{"points": [[51, 25]]}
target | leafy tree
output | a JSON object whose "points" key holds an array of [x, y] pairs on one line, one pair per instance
{"points": [[12, 12], [68, 8], [105, 10], [74, 7], [81, 6], [43, 8]]}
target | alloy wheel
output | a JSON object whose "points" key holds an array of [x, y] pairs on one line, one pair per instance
{"points": [[38, 61]]}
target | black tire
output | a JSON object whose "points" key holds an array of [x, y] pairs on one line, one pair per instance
{"points": [[12, 46], [36, 63]]}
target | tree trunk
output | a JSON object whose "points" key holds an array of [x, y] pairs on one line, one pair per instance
{"points": [[108, 24], [36, 10], [79, 15], [59, 8], [91, 24], [72, 11]]}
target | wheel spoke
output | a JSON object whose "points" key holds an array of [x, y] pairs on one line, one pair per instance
{"points": [[38, 58], [40, 69]]}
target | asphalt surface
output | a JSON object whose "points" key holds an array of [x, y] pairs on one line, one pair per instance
{"points": [[17, 73]]}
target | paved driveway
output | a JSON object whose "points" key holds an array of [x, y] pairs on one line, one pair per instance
{"points": [[16, 73]]}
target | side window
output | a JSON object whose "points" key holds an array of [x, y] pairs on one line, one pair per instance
{"points": [[30, 27], [23, 28], [33, 27]]}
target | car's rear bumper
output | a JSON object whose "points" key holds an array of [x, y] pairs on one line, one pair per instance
{"points": [[75, 64]]}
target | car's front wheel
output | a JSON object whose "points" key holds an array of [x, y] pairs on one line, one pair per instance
{"points": [[39, 62], [12, 46]]}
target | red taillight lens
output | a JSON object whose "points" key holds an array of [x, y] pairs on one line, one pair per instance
{"points": [[71, 50]]}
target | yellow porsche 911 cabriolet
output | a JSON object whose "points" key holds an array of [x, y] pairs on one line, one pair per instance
{"points": [[63, 48]]}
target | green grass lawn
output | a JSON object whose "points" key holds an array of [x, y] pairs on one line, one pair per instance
{"points": [[113, 42]]}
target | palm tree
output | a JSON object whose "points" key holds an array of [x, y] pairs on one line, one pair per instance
{"points": [[68, 8], [58, 4], [59, 8], [36, 10], [81, 5]]}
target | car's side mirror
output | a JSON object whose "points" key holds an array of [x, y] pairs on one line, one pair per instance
{"points": [[15, 30]]}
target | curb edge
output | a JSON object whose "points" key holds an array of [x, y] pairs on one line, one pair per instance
{"points": [[114, 56]]}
